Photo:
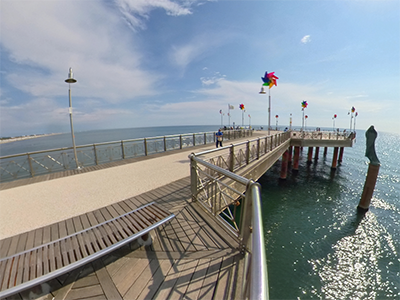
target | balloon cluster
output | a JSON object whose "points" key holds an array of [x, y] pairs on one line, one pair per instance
{"points": [[241, 106], [304, 104], [269, 79]]}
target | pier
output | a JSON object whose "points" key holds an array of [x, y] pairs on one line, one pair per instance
{"points": [[194, 254]]}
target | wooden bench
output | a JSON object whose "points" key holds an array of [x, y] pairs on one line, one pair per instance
{"points": [[39, 264]]}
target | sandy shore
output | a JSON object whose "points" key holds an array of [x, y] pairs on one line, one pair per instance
{"points": [[20, 138]]}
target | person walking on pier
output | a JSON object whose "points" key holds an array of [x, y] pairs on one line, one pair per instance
{"points": [[218, 136]]}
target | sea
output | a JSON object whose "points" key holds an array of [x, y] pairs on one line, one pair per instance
{"points": [[318, 246]]}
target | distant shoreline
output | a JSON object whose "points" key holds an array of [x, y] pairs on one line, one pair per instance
{"points": [[20, 138]]}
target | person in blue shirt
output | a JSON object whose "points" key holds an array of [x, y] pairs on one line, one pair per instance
{"points": [[218, 136]]}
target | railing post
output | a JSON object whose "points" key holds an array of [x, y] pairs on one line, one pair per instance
{"points": [[95, 154], [205, 138], [266, 144], [272, 137], [231, 158], [258, 148], [248, 152], [165, 144], [193, 177], [30, 166], [123, 149], [194, 139], [145, 146], [180, 141]]}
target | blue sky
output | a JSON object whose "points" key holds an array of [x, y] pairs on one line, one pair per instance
{"points": [[163, 62]]}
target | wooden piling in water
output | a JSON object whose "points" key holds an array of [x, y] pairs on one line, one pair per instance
{"points": [[284, 165], [309, 156], [341, 154], [316, 153], [296, 159], [334, 158], [325, 151], [369, 186]]}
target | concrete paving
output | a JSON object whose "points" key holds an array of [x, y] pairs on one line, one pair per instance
{"points": [[35, 205]]}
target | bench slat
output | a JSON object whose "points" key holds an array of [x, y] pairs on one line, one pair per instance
{"points": [[43, 262]]}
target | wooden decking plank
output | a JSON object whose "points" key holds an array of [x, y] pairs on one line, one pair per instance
{"points": [[134, 267], [133, 203], [54, 232], [207, 290], [62, 229], [45, 259], [156, 280], [85, 292], [141, 282], [46, 234], [58, 255], [182, 236], [191, 234], [32, 265], [64, 253], [4, 247], [106, 282], [77, 224], [82, 245], [223, 289], [206, 232], [14, 270], [13, 245], [6, 274], [97, 242], [168, 235], [84, 221], [70, 226], [21, 242], [184, 278], [86, 281], [193, 289], [76, 247]]}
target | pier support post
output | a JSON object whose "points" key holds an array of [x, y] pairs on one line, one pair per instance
{"points": [[325, 151], [341, 154], [296, 159], [290, 155], [369, 186], [284, 165], [334, 158], [316, 153], [373, 170], [309, 156]]}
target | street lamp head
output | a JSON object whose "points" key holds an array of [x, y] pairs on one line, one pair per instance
{"points": [[263, 90], [70, 78]]}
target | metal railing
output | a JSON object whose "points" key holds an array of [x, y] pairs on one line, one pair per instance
{"points": [[322, 135], [235, 202], [31, 164]]}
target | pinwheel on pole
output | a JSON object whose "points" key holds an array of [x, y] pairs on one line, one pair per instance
{"points": [[229, 113], [351, 112], [269, 80], [241, 106], [303, 106], [356, 114], [306, 117], [276, 117], [249, 122], [334, 118]]}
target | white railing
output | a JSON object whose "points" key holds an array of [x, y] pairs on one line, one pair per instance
{"points": [[31, 164]]}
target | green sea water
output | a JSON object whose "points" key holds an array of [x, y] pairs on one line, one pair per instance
{"points": [[318, 247]]}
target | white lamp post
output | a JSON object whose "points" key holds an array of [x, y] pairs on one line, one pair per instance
{"points": [[269, 107], [70, 80]]}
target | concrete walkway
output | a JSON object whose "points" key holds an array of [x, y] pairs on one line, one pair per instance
{"points": [[35, 205]]}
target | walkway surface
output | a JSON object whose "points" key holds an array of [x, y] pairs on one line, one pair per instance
{"points": [[32, 203], [189, 257]]}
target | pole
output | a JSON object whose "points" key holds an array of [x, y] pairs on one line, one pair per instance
{"points": [[269, 111], [72, 127]]}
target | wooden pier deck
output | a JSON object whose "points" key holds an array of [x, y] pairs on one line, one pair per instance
{"points": [[189, 257]]}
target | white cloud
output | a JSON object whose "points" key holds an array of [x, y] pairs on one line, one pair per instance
{"points": [[306, 39]]}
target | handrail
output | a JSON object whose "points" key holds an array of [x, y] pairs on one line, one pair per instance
{"points": [[250, 236], [34, 163]]}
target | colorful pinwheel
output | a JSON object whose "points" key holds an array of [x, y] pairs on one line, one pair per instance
{"points": [[241, 106], [353, 109], [269, 79], [335, 116], [304, 104], [306, 116]]}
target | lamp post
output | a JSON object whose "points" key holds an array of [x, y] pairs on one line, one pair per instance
{"points": [[70, 80], [269, 107]]}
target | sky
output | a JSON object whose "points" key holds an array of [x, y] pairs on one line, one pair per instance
{"points": [[141, 63]]}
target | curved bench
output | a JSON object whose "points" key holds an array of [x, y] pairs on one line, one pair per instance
{"points": [[39, 264]]}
